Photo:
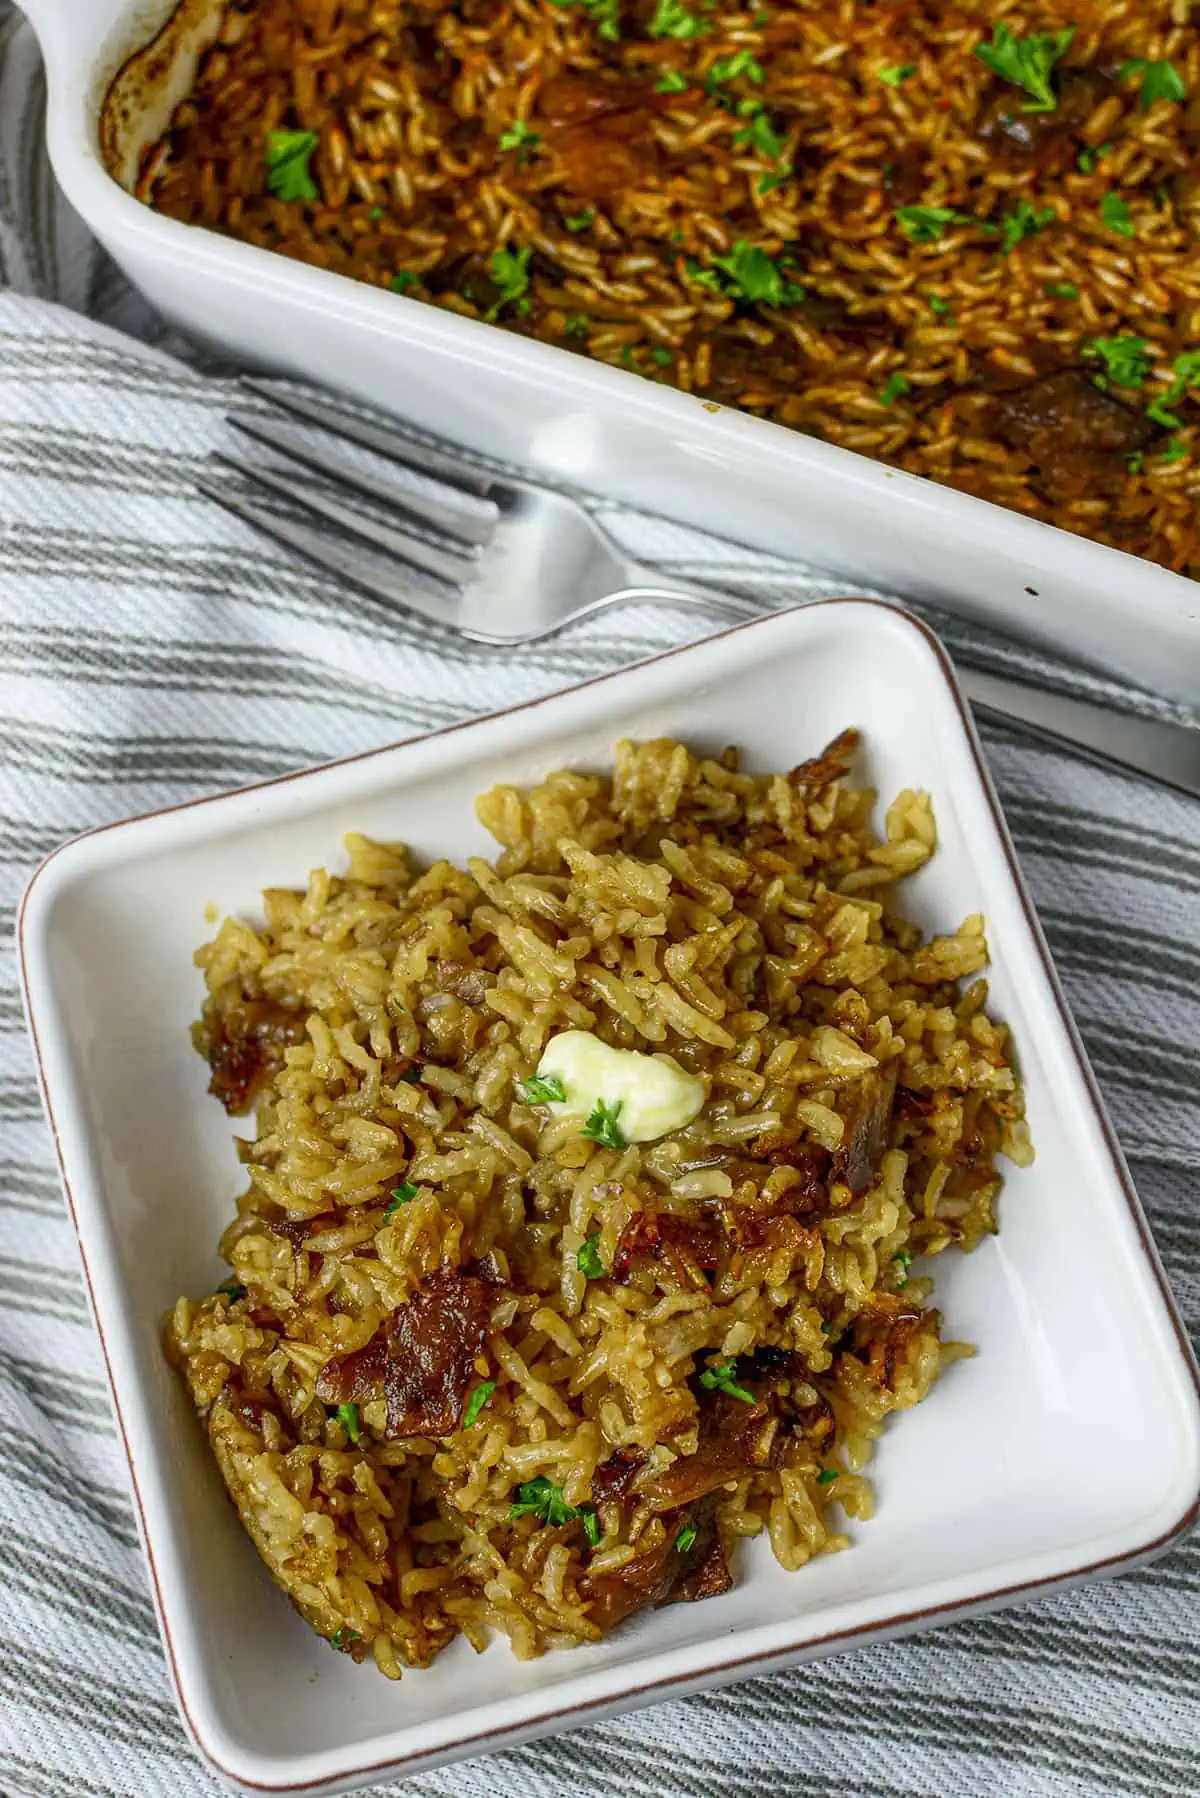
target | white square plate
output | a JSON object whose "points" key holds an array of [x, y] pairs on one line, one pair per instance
{"points": [[1068, 1448]]}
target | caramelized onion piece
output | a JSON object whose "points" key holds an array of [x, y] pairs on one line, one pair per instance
{"points": [[423, 1358], [687, 1246], [832, 763], [663, 1574], [612, 1479], [1064, 423], [735, 1439], [243, 1041], [867, 1130]]}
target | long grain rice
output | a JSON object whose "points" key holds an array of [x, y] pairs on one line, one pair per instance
{"points": [[383, 1020], [620, 195]]}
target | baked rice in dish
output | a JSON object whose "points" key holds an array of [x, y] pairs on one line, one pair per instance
{"points": [[960, 236], [483, 1362]]}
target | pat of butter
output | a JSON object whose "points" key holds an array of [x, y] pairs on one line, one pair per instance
{"points": [[655, 1094]]}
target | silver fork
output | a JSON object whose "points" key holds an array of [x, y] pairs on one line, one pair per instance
{"points": [[494, 558], [504, 562]]}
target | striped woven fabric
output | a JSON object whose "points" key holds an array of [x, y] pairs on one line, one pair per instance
{"points": [[151, 650]]}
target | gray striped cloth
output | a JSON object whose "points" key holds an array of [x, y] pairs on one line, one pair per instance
{"points": [[152, 650]]}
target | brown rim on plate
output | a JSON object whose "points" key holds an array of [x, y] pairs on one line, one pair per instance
{"points": [[766, 1660]]}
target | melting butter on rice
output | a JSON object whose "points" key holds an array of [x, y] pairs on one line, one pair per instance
{"points": [[644, 1096], [495, 1360]]}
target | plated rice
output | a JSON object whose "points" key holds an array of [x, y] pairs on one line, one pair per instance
{"points": [[485, 1364]]}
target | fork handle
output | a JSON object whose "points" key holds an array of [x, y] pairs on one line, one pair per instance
{"points": [[690, 593], [1153, 748]]}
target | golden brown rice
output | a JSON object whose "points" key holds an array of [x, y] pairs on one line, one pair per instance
{"points": [[382, 1021]]}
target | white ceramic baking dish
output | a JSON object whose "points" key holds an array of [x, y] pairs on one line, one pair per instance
{"points": [[1068, 1449], [534, 404]]}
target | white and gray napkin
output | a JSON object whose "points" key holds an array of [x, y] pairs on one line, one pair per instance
{"points": [[152, 649]]}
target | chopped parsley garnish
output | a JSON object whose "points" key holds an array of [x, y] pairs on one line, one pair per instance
{"points": [[720, 1377], [663, 357], [766, 184], [606, 17], [403, 281], [376, 212], [509, 270], [672, 82], [520, 137], [476, 1402], [1023, 222], [233, 1290], [401, 1195], [587, 1259], [576, 326], [686, 1538], [342, 1638], [1061, 290], [286, 155], [602, 1124], [1175, 451], [1161, 414], [1115, 214], [347, 1416], [762, 136], [541, 1498], [1160, 81], [627, 359], [1087, 158], [1134, 461], [1125, 359], [1186, 369], [925, 224], [826, 1476], [544, 1089], [728, 68], [894, 388], [579, 221], [897, 73], [939, 307], [672, 19], [1027, 61], [604, 14], [747, 274], [904, 1258]]}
